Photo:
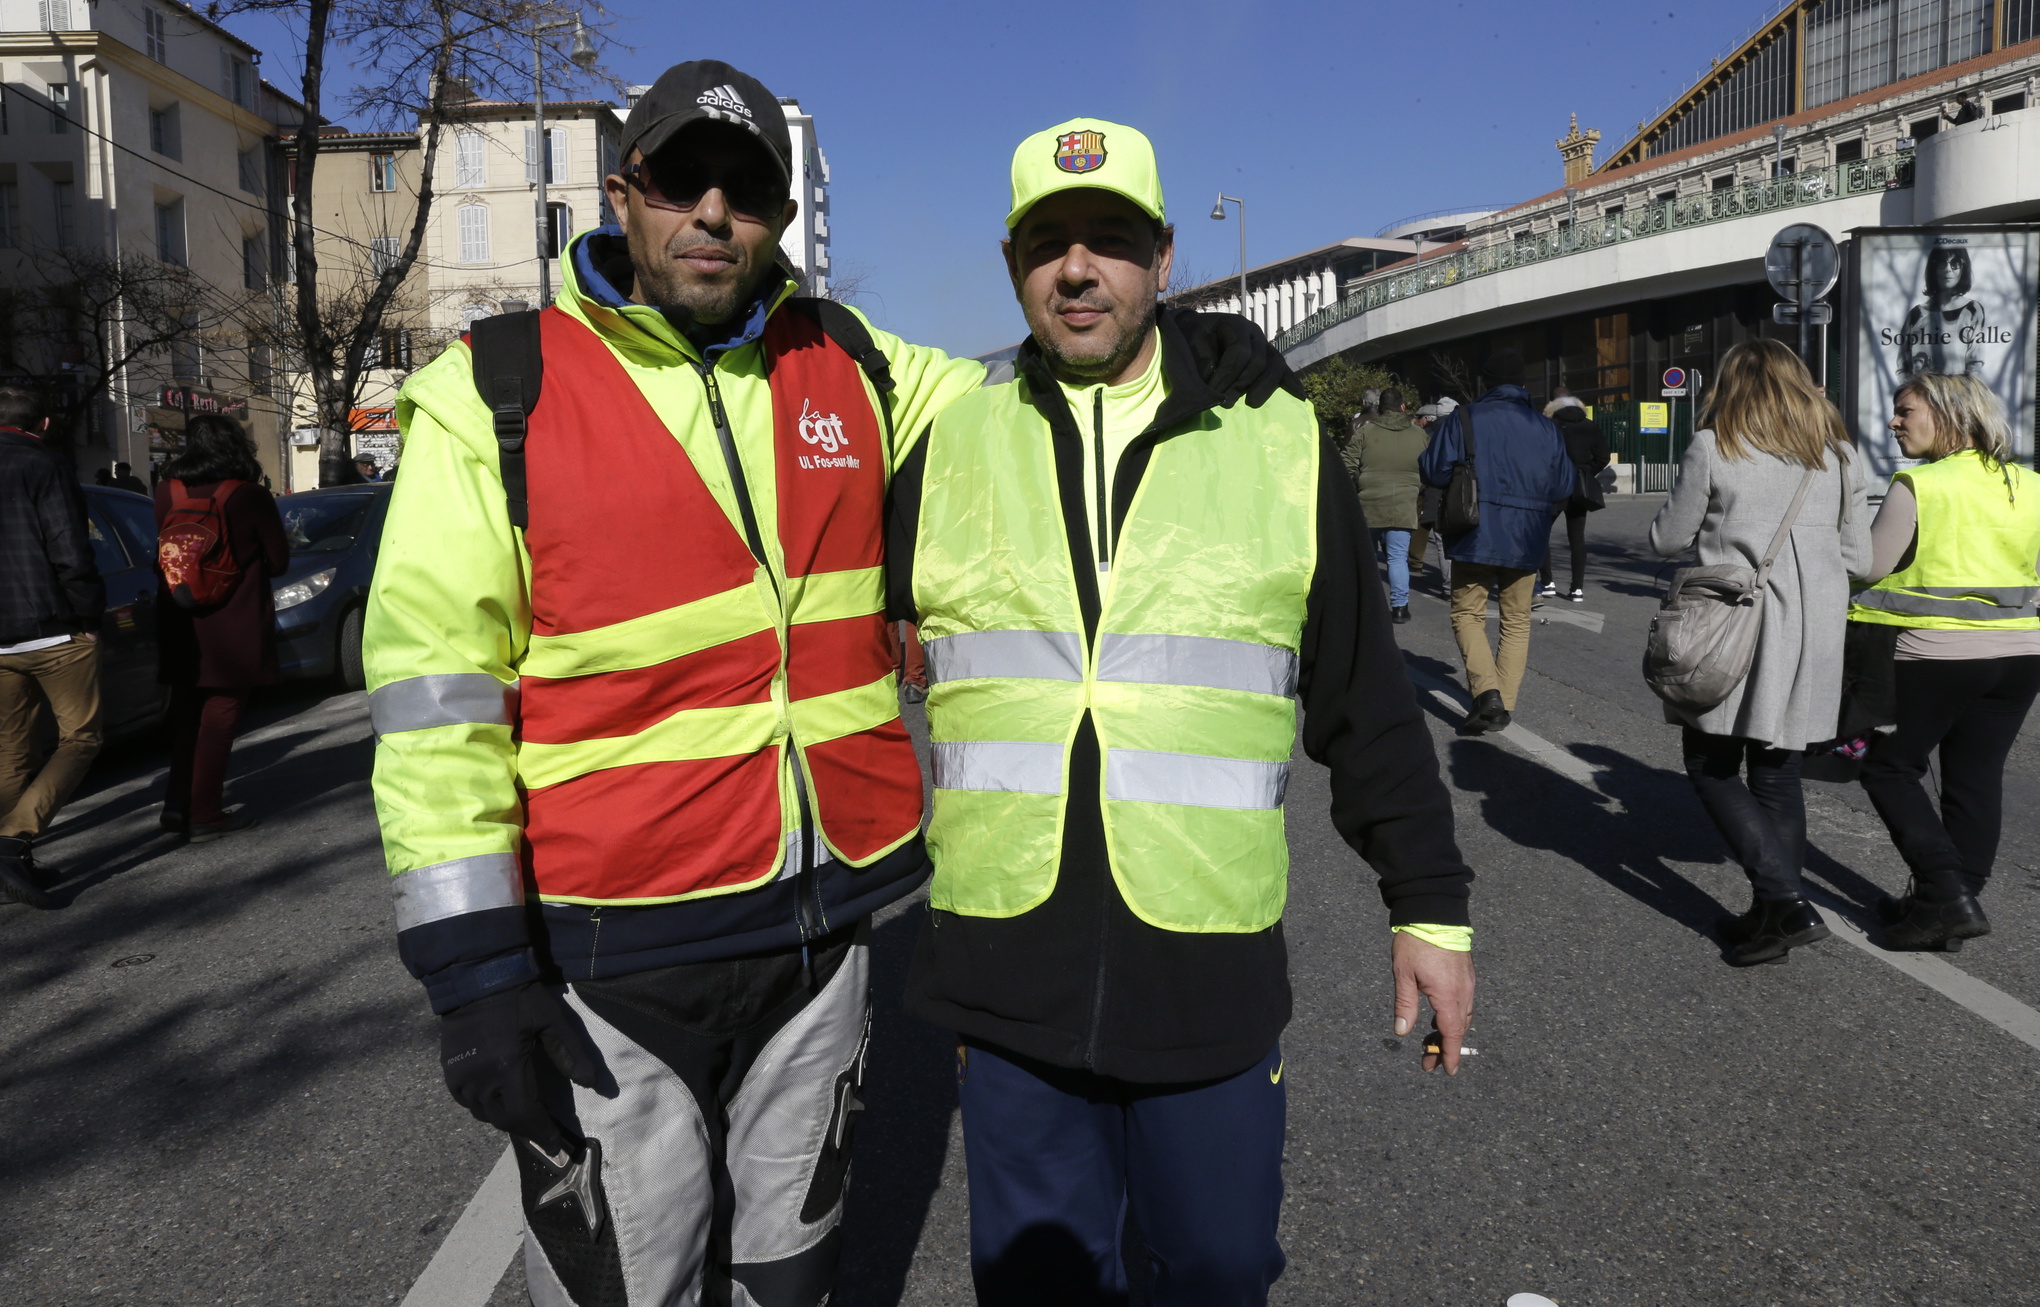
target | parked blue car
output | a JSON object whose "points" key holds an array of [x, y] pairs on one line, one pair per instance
{"points": [[122, 528], [334, 534]]}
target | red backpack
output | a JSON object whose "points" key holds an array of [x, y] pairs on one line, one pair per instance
{"points": [[192, 550]]}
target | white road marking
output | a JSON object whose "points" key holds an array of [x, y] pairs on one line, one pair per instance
{"points": [[470, 1263], [1572, 616], [1935, 972]]}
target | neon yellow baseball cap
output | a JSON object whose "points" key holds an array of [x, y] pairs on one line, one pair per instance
{"points": [[1086, 152]]}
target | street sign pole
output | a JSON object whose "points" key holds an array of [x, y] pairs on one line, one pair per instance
{"points": [[1804, 300]]}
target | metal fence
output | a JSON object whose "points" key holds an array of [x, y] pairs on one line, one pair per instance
{"points": [[1655, 455], [1815, 186]]}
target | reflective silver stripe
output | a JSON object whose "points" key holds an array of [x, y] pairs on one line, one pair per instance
{"points": [[1011, 765], [2011, 596], [448, 889], [446, 699], [1980, 609], [1197, 660], [791, 867], [1193, 779], [1033, 655]]}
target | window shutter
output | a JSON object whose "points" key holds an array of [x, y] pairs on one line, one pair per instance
{"points": [[531, 156], [558, 172], [474, 233]]}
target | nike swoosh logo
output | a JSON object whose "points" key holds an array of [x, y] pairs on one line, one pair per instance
{"points": [[1275, 1076]]}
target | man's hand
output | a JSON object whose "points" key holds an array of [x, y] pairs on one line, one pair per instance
{"points": [[1444, 977], [489, 1050]]}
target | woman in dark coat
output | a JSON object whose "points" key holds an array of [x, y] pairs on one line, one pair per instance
{"points": [[214, 656]]}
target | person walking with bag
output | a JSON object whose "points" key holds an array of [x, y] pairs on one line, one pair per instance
{"points": [[1588, 450], [51, 603], [220, 541], [1504, 470], [1383, 457], [1954, 549], [1772, 488]]}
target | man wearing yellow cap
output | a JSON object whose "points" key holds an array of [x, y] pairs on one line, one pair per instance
{"points": [[1125, 583]]}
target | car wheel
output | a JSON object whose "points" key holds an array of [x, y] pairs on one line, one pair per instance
{"points": [[351, 673]]}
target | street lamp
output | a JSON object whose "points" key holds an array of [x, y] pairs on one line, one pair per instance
{"points": [[1218, 215], [583, 55]]}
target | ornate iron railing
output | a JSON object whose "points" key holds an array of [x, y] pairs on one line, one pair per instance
{"points": [[1817, 186]]}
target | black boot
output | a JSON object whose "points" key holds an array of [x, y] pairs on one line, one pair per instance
{"points": [[20, 876], [1892, 908], [1937, 924], [1487, 714], [1399, 615], [1775, 928]]}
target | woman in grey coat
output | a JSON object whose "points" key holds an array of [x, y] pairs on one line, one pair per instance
{"points": [[1769, 426]]}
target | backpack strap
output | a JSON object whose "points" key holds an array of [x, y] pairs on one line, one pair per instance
{"points": [[839, 324], [509, 368]]}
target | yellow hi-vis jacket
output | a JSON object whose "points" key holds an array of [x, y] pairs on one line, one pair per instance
{"points": [[452, 599], [1972, 566]]}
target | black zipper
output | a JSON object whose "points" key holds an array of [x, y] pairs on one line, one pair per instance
{"points": [[808, 914], [1098, 458]]}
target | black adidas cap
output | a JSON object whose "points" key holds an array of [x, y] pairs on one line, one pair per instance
{"points": [[707, 89]]}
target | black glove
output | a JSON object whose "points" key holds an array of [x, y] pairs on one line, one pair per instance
{"points": [[489, 1050], [1235, 358]]}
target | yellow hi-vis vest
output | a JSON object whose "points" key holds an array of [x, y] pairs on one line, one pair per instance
{"points": [[1190, 681], [1972, 568]]}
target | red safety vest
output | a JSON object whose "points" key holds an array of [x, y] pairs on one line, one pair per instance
{"points": [[624, 528]]}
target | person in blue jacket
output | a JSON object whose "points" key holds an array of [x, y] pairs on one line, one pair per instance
{"points": [[1524, 479]]}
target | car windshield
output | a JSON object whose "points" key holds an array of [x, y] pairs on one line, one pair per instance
{"points": [[323, 524]]}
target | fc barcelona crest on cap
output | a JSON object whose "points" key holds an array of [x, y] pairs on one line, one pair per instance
{"points": [[1080, 151]]}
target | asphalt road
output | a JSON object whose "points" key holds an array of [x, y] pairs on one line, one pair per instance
{"points": [[217, 1085]]}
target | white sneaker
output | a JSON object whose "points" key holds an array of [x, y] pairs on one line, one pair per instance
{"points": [[1578, 596], [1549, 590]]}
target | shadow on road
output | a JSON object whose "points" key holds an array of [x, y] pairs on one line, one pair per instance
{"points": [[903, 1138]]}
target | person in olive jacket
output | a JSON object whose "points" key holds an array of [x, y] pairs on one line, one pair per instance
{"points": [[1383, 456]]}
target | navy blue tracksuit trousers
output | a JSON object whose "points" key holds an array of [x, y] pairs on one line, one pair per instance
{"points": [[1057, 1159]]}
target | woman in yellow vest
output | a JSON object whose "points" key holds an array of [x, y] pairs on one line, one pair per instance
{"points": [[1955, 545]]}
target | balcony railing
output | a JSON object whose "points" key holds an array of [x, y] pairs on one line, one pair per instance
{"points": [[1817, 186]]}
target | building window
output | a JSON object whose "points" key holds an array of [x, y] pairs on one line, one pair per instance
{"points": [[60, 108], [163, 132], [556, 155], [54, 15], [251, 170], [1784, 167], [170, 232], [236, 78], [1853, 46], [1849, 151], [10, 216], [252, 271], [154, 37], [390, 349], [382, 253], [187, 355], [1725, 182], [261, 370], [1924, 128], [382, 172], [66, 194], [559, 229], [2003, 104], [1612, 211], [470, 159], [474, 233]]}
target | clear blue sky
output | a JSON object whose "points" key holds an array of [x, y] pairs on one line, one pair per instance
{"points": [[1332, 120]]}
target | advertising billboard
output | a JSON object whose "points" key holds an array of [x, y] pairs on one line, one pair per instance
{"points": [[1940, 299]]}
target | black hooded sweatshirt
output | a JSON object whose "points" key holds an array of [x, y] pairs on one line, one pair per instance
{"points": [[1080, 981]]}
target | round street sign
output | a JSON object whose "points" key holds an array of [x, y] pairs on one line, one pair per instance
{"points": [[1674, 378], [1822, 262]]}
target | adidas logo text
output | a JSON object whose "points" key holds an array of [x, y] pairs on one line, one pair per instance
{"points": [[724, 97]]}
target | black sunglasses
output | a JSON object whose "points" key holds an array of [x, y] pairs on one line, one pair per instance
{"points": [[679, 182]]}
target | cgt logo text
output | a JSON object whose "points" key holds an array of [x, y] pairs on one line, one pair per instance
{"points": [[826, 431]]}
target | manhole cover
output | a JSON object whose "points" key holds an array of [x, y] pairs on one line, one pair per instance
{"points": [[136, 960]]}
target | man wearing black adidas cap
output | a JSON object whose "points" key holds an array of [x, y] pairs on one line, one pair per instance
{"points": [[640, 769]]}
